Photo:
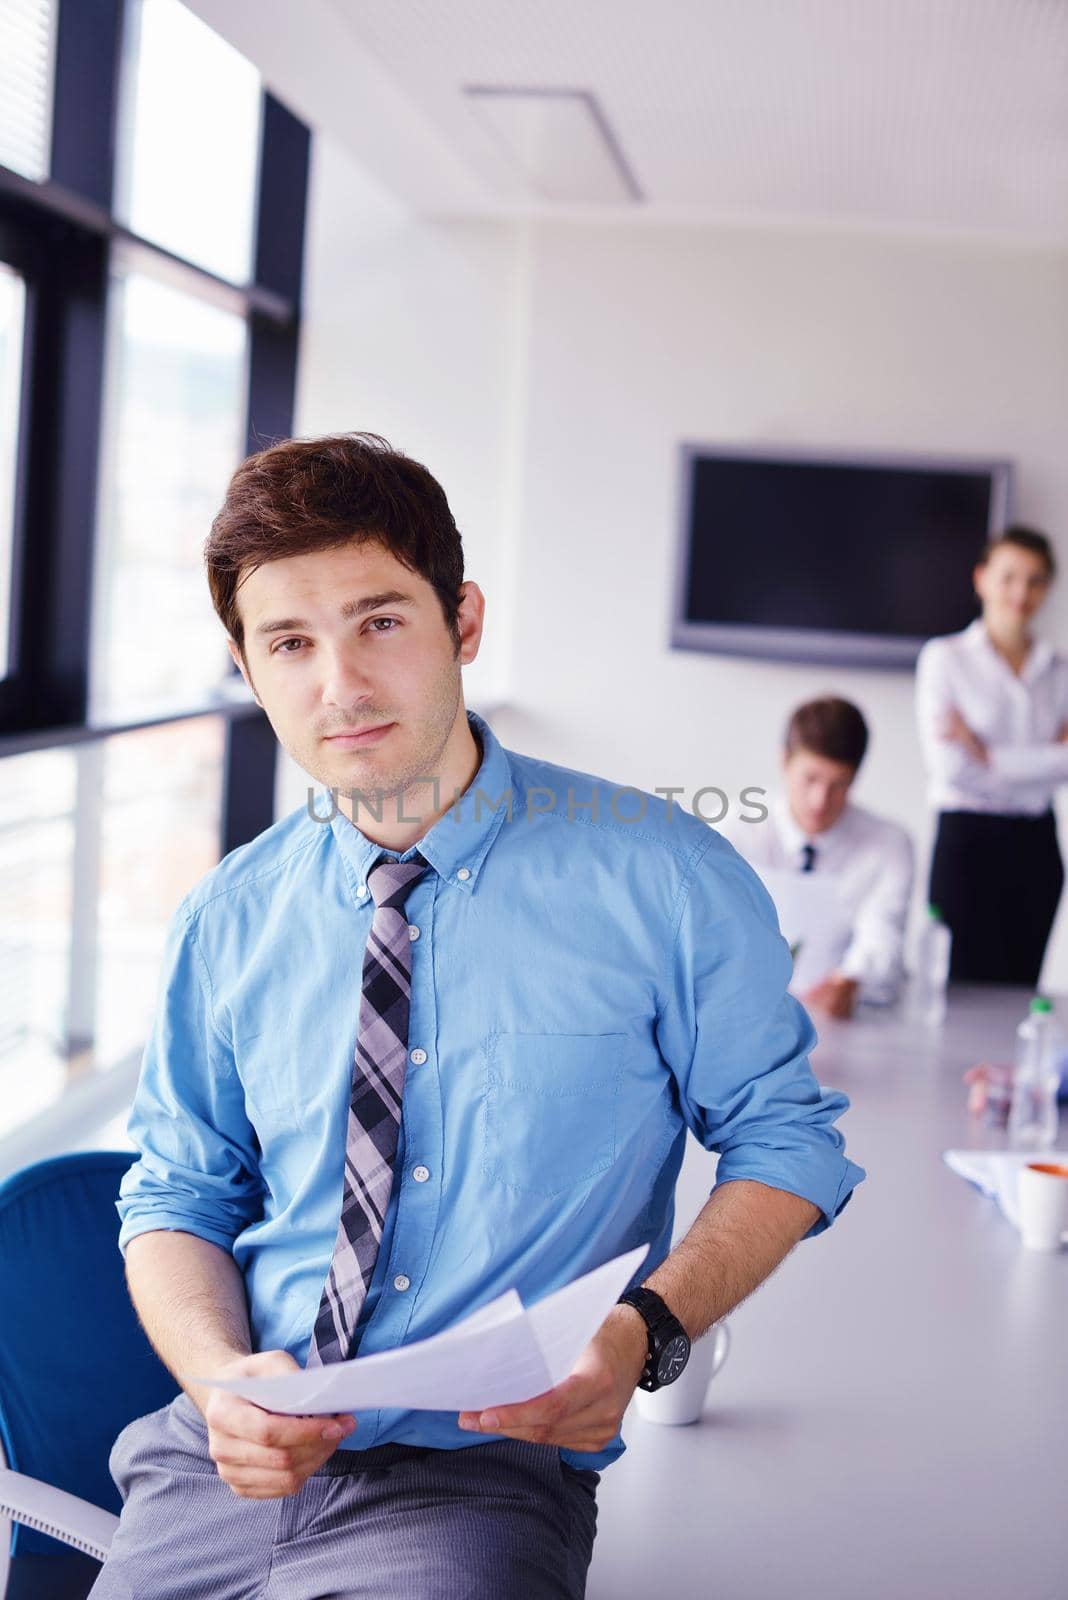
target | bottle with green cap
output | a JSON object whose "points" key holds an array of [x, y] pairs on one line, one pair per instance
{"points": [[932, 969], [1039, 1047]]}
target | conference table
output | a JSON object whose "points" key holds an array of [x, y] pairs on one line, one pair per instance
{"points": [[892, 1420]]}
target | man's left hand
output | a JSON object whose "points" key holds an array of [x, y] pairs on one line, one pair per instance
{"points": [[584, 1412]]}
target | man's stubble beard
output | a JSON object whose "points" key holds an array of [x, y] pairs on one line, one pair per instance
{"points": [[425, 765], [390, 787]]}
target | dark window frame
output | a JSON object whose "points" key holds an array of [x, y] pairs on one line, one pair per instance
{"points": [[59, 234]]}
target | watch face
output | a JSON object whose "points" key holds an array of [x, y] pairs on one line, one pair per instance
{"points": [[673, 1358]]}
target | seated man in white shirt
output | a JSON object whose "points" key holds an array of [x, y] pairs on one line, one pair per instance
{"points": [[813, 826]]}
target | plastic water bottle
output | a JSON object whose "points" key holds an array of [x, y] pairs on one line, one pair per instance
{"points": [[1039, 1049], [932, 969]]}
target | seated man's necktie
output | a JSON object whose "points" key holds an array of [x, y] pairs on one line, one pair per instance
{"points": [[374, 1110]]}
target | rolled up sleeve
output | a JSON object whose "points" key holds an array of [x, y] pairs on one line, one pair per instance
{"points": [[737, 1042], [198, 1171]]}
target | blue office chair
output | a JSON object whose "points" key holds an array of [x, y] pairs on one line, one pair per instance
{"points": [[75, 1368]]}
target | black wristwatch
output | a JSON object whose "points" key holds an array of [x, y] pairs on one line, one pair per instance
{"points": [[669, 1344]]}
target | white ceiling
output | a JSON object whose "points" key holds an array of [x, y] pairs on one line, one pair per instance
{"points": [[944, 114]]}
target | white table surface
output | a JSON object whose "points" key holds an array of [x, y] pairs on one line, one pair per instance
{"points": [[892, 1422]]}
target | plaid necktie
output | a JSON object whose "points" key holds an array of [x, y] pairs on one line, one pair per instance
{"points": [[374, 1110]]}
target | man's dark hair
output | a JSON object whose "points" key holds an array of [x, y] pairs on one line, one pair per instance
{"points": [[828, 727], [305, 495], [1024, 539]]}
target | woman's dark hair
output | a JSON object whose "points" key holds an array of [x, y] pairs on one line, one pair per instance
{"points": [[828, 727], [305, 495], [1024, 539]]}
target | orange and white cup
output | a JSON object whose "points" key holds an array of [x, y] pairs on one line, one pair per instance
{"points": [[1042, 1202]]}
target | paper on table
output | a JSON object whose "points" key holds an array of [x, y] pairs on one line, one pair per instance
{"points": [[996, 1172], [503, 1353]]}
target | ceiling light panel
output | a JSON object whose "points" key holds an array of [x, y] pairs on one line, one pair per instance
{"points": [[560, 141]]}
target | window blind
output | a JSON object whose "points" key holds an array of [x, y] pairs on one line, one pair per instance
{"points": [[27, 44]]}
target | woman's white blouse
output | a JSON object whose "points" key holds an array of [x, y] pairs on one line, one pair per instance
{"points": [[1017, 718]]}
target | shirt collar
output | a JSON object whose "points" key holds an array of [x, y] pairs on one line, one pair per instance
{"points": [[1039, 657], [976, 636], [789, 832], [459, 841], [792, 836]]}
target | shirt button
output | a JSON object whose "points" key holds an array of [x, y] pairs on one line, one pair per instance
{"points": [[413, 931], [419, 1056], [463, 874], [421, 1174], [402, 1282], [361, 889]]}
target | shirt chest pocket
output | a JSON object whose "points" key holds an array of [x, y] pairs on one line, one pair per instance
{"points": [[551, 1108]]}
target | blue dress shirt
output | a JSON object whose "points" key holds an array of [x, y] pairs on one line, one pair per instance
{"points": [[594, 971]]}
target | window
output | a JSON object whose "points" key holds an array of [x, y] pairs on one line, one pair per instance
{"points": [[174, 431], [12, 304], [37, 872], [191, 127], [149, 325], [27, 29], [160, 799], [97, 847]]}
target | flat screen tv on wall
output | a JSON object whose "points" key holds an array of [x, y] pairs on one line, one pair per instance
{"points": [[848, 559]]}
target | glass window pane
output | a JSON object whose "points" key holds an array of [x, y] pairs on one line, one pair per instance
{"points": [[189, 149], [12, 317], [161, 823], [97, 847], [27, 47], [174, 432], [37, 794]]}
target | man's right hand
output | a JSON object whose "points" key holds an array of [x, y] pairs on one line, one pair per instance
{"points": [[260, 1454]]}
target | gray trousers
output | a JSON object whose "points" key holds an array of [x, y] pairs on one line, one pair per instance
{"points": [[395, 1522]]}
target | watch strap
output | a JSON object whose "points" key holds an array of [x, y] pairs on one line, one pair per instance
{"points": [[661, 1325], [649, 1306]]}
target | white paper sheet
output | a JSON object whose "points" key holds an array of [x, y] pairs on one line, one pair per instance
{"points": [[505, 1352], [810, 917]]}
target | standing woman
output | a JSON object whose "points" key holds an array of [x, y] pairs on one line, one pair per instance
{"points": [[992, 705]]}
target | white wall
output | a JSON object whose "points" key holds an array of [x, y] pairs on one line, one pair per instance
{"points": [[547, 373], [640, 338], [410, 330]]}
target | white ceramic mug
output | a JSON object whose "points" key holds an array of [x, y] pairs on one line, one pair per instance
{"points": [[684, 1400], [1042, 1203]]}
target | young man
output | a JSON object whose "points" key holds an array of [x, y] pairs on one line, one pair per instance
{"points": [[813, 826], [439, 1039]]}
